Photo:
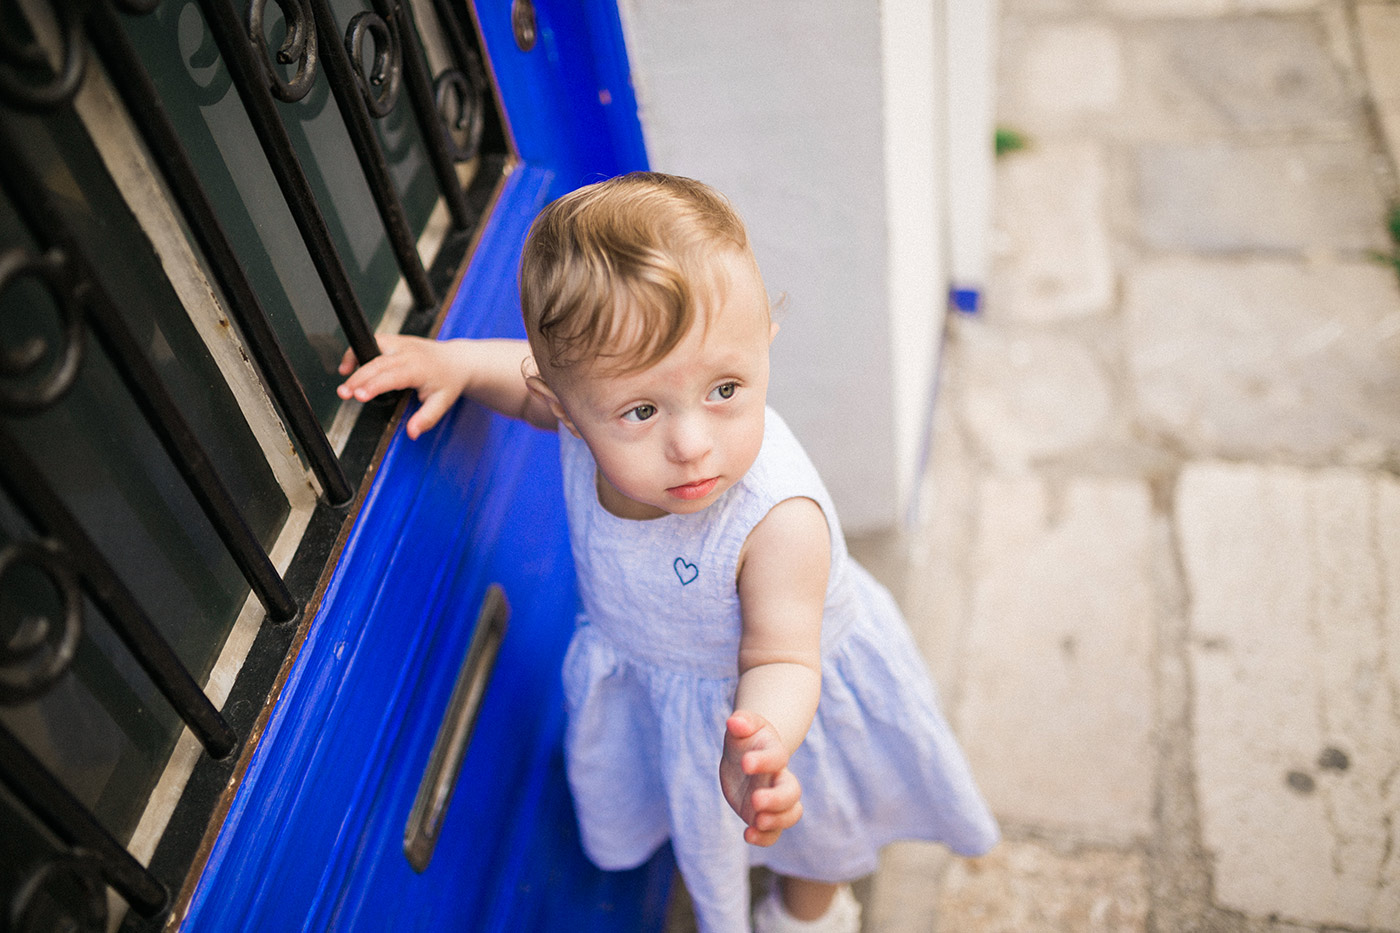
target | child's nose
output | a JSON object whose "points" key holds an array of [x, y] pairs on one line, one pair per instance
{"points": [[690, 439]]}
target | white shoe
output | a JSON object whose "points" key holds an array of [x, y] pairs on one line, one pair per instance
{"points": [[843, 916]]}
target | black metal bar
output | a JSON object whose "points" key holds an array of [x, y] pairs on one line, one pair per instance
{"points": [[430, 124], [251, 79], [68, 819], [45, 218], [353, 110], [144, 105], [451, 27], [46, 511]]}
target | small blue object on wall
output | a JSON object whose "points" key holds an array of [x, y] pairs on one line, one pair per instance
{"points": [[966, 300]]}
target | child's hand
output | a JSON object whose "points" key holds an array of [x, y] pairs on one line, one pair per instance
{"points": [[753, 773], [427, 366]]}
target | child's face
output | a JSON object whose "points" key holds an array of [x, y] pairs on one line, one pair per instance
{"points": [[673, 437]]}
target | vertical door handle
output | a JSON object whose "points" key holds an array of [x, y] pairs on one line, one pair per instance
{"points": [[445, 763]]}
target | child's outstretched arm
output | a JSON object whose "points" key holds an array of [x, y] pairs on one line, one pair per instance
{"points": [[491, 372], [782, 590]]}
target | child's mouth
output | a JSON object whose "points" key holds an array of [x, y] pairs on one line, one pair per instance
{"points": [[696, 490]]}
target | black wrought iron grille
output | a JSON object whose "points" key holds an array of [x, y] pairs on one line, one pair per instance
{"points": [[144, 486]]}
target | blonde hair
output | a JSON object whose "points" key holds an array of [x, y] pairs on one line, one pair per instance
{"points": [[612, 270]]}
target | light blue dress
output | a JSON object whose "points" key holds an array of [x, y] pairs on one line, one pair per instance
{"points": [[650, 676]]}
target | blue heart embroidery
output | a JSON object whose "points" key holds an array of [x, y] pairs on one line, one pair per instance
{"points": [[687, 572]]}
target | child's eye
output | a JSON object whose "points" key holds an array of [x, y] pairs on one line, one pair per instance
{"points": [[723, 392], [639, 414]]}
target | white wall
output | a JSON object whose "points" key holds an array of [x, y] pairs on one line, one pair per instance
{"points": [[970, 54], [821, 120]]}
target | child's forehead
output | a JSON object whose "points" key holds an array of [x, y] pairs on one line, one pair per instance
{"points": [[723, 276], [737, 318], [725, 286], [636, 323]]}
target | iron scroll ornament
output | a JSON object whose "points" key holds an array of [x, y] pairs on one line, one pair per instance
{"points": [[28, 79], [380, 87], [38, 650], [461, 106], [298, 47], [20, 392]]}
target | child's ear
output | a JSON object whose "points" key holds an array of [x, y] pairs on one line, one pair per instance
{"points": [[772, 331], [541, 390]]}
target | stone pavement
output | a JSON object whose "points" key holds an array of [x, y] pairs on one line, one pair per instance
{"points": [[1158, 571], [1158, 577]]}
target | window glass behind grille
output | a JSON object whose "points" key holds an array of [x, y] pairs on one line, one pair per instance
{"points": [[183, 60], [104, 730], [27, 844], [144, 166]]}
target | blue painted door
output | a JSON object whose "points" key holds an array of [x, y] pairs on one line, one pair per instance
{"points": [[314, 837]]}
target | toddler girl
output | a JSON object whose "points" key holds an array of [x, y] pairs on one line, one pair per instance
{"points": [[736, 684]]}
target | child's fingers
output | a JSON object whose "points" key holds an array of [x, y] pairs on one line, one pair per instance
{"points": [[347, 363], [768, 760], [429, 413], [783, 794], [765, 830], [742, 724], [756, 837], [777, 822], [361, 377], [381, 374], [388, 343]]}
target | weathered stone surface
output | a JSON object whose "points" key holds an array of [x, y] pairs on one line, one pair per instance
{"points": [[1202, 8], [1295, 649], [1026, 888], [1041, 7], [1247, 74], [1163, 8], [1380, 38], [1259, 76], [1226, 197], [1057, 708], [1266, 357], [1030, 396], [1279, 6], [902, 893], [1081, 59], [1054, 260]]}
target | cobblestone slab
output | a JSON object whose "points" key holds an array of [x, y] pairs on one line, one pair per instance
{"points": [[1081, 59], [1054, 261], [1226, 197], [1172, 8], [1057, 708], [1027, 888], [1303, 358], [901, 895], [1279, 6], [1251, 75], [1379, 28], [1203, 8], [1295, 654], [1030, 396]]}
